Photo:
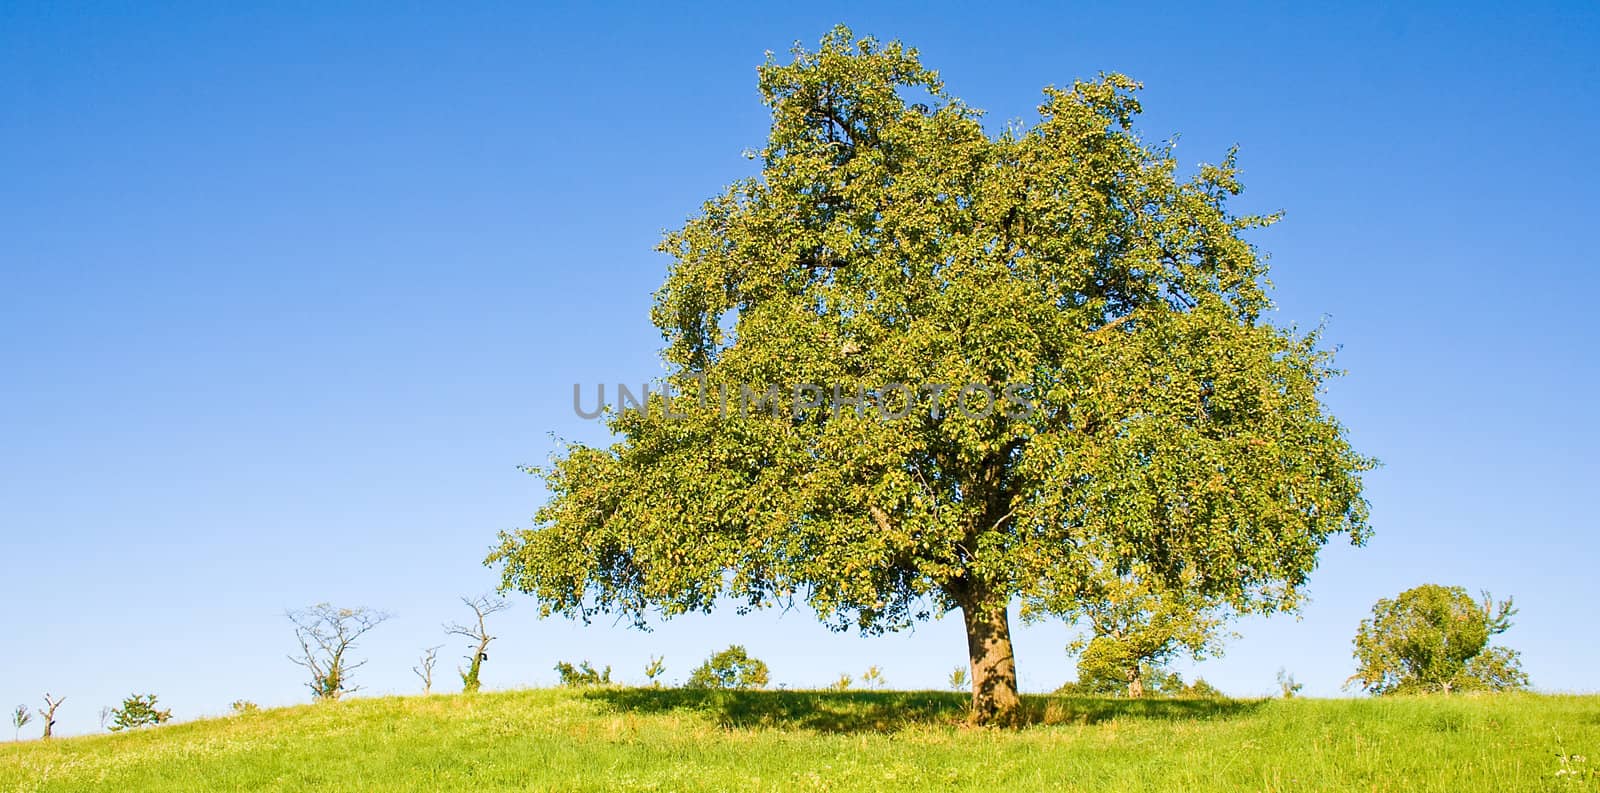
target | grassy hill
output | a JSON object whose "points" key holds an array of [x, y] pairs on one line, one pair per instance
{"points": [[642, 739]]}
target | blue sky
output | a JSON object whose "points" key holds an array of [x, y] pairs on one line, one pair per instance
{"points": [[287, 295]]}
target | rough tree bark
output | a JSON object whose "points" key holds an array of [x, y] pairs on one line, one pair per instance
{"points": [[994, 666]]}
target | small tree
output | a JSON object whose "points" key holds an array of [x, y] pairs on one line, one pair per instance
{"points": [[655, 670], [958, 679], [105, 716], [424, 669], [327, 634], [732, 668], [1138, 623], [842, 684], [138, 711], [49, 714], [244, 707], [1435, 638], [19, 719], [873, 677], [478, 632], [582, 675], [1287, 684]]}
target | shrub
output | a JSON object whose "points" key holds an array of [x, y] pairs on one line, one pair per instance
{"points": [[732, 668], [242, 707], [582, 675]]}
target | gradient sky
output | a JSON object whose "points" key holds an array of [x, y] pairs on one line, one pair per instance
{"points": [[287, 295]]}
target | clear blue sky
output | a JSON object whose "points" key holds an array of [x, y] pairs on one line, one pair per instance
{"points": [[287, 295]]}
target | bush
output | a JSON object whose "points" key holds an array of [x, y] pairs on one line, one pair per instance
{"points": [[732, 668], [582, 675], [138, 711], [242, 707]]}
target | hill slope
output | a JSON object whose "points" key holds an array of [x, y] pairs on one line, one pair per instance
{"points": [[641, 739]]}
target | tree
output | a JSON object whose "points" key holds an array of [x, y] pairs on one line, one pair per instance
{"points": [[327, 634], [1287, 684], [424, 670], [912, 368], [138, 711], [1435, 638], [656, 668], [958, 679], [732, 668], [478, 633], [105, 715], [1137, 625], [873, 677], [19, 719], [49, 714]]}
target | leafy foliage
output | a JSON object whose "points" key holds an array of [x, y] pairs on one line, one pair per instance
{"points": [[1287, 685], [244, 707], [1154, 683], [958, 679], [654, 670], [873, 677], [138, 710], [1435, 638], [20, 718], [732, 668], [889, 240], [1137, 626], [582, 675]]}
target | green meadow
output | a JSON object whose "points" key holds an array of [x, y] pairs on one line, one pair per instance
{"points": [[629, 739]]}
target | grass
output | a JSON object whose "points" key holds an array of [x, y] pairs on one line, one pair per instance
{"points": [[664, 740]]}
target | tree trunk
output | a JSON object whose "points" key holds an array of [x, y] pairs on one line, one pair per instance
{"points": [[994, 667], [1135, 682]]}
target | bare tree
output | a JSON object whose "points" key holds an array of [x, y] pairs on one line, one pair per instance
{"points": [[49, 713], [105, 715], [482, 606], [425, 670], [327, 634]]}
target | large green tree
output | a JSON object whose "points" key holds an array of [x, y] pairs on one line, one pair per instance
{"points": [[890, 240], [1435, 639]]}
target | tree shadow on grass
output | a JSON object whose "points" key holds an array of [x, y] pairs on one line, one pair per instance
{"points": [[890, 711]]}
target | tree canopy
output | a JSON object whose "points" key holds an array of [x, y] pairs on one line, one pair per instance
{"points": [[907, 264], [1435, 639]]}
